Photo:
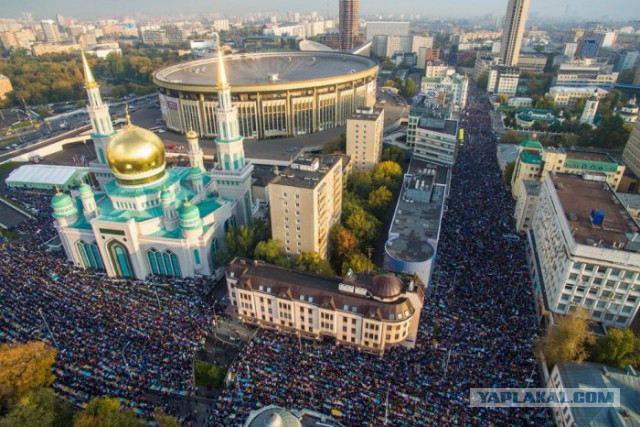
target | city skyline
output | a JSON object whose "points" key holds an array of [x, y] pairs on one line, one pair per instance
{"points": [[590, 9]]}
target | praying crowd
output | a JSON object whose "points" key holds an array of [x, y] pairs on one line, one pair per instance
{"points": [[477, 327]]}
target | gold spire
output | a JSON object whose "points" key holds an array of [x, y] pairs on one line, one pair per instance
{"points": [[186, 201], [222, 75], [89, 80], [126, 114], [58, 192]]}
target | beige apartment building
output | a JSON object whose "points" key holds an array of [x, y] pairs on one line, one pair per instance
{"points": [[305, 201], [364, 137], [5, 87], [370, 311], [631, 153]]}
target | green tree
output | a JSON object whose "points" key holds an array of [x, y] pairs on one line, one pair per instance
{"points": [[387, 173], [546, 102], [410, 88], [389, 83], [106, 412], [25, 369], [36, 409], [313, 262], [164, 420], [239, 242], [271, 251], [379, 199], [508, 173], [510, 137], [620, 347], [394, 154], [568, 339], [361, 182], [363, 225], [357, 262]]}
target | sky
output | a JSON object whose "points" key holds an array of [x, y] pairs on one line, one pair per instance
{"points": [[82, 9]]}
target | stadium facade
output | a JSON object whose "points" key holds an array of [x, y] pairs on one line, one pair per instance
{"points": [[276, 94]]}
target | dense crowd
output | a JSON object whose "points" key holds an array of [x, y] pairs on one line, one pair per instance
{"points": [[477, 327], [119, 338]]}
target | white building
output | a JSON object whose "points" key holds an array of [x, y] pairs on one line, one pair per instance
{"points": [[590, 110], [385, 28], [221, 25], [584, 250], [149, 219], [457, 85], [568, 96], [503, 80], [585, 73], [526, 204], [432, 135]]}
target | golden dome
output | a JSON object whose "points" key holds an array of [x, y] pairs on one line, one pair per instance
{"points": [[135, 151]]}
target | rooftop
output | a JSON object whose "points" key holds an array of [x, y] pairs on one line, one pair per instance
{"points": [[45, 174], [367, 114], [307, 171], [532, 187], [579, 197], [418, 213], [592, 156], [266, 68], [275, 416]]}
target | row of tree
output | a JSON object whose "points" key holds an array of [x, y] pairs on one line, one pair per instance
{"points": [[27, 399]]}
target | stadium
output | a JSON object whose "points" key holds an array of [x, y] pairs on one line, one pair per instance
{"points": [[277, 94]]}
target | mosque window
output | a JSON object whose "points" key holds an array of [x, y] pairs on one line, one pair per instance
{"points": [[164, 263], [196, 255], [90, 255]]}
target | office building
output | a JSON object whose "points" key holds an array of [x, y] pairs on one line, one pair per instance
{"points": [[629, 112], [568, 96], [513, 31], [570, 49], [590, 110], [221, 24], [584, 250], [305, 201], [431, 134], [364, 137], [368, 311], [385, 28], [631, 153], [437, 70], [588, 376], [426, 55], [22, 39], [483, 65], [5, 87], [44, 48], [503, 80], [585, 73], [412, 243], [534, 161], [388, 45], [526, 204], [455, 85], [154, 36], [50, 29], [348, 30], [626, 59], [532, 63]]}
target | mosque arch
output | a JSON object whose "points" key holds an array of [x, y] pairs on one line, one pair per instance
{"points": [[90, 255], [164, 263], [120, 259]]}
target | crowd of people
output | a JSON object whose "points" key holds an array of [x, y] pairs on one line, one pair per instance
{"points": [[118, 338], [477, 327]]}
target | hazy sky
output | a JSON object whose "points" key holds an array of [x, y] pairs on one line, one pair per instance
{"points": [[90, 9]]}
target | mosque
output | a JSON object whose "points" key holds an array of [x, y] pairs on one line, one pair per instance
{"points": [[148, 219]]}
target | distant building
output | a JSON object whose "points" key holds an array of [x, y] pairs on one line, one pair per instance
{"points": [[371, 312], [517, 102], [221, 24], [585, 73], [587, 376], [103, 50], [274, 416], [503, 80], [22, 39], [590, 109], [570, 49], [514, 25], [437, 70], [526, 205], [534, 162], [364, 137], [627, 59], [456, 85], [5, 87], [629, 112], [568, 96], [584, 250], [412, 242], [385, 28], [349, 21], [387, 45], [153, 36], [50, 29], [526, 117], [631, 153], [305, 201], [483, 64], [45, 48], [425, 55], [531, 63]]}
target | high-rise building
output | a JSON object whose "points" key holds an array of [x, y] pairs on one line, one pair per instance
{"points": [[503, 80], [385, 28], [232, 173], [589, 111], [348, 30], [631, 153], [305, 201], [514, 23], [364, 137], [50, 29]]}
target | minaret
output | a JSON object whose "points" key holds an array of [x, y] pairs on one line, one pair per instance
{"points": [[590, 109], [232, 173], [98, 113], [194, 152], [88, 199], [64, 210], [170, 213]]}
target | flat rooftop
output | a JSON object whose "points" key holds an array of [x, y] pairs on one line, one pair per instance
{"points": [[367, 114], [449, 127], [266, 68], [579, 197], [418, 213], [307, 171], [593, 156]]}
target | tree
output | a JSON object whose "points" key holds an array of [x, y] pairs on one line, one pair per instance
{"points": [[389, 83], [620, 347], [36, 409], [546, 102], [410, 88], [379, 199], [361, 183], [313, 262], [483, 81], [508, 173], [25, 368], [568, 339], [357, 262], [239, 241], [271, 251], [503, 99], [394, 154], [510, 137], [343, 242], [106, 412], [387, 173], [163, 419], [363, 225]]}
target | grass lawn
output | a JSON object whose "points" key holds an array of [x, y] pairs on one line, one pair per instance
{"points": [[208, 375], [9, 166]]}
